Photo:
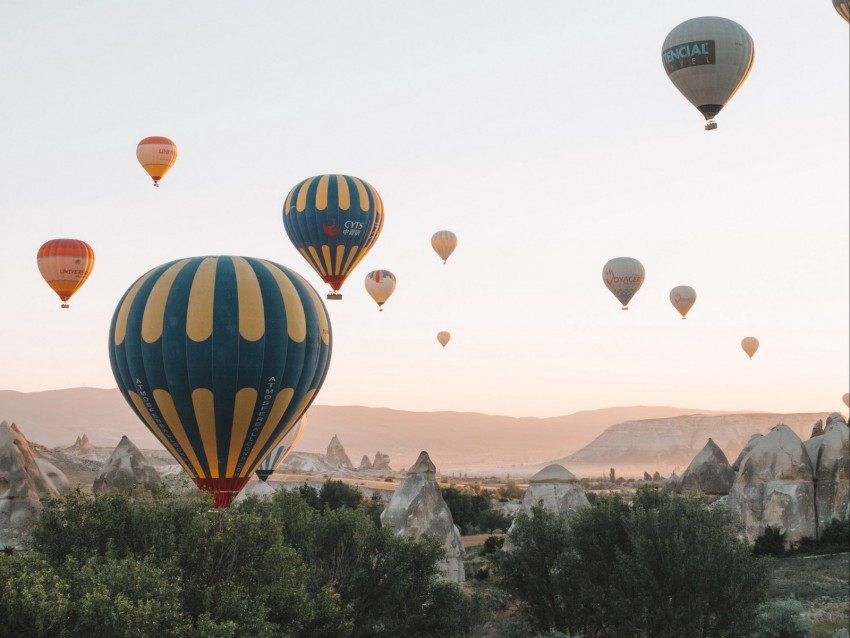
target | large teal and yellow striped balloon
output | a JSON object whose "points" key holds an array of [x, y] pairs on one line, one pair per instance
{"points": [[220, 357], [333, 221]]}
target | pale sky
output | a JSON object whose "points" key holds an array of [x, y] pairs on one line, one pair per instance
{"points": [[546, 135]]}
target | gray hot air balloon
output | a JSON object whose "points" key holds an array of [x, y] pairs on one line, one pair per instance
{"points": [[843, 8], [708, 59], [624, 276]]}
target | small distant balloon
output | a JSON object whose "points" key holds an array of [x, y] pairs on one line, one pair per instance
{"points": [[444, 243], [156, 155], [281, 450], [683, 298], [843, 8], [443, 337], [65, 265], [380, 284], [624, 276], [750, 345], [708, 59], [846, 398]]}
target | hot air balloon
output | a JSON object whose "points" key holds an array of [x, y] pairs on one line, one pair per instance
{"points": [[220, 356], [65, 265], [843, 8], [682, 298], [624, 276], [444, 243], [443, 337], [380, 284], [846, 399], [333, 221], [750, 345], [156, 155], [281, 450], [708, 59]]}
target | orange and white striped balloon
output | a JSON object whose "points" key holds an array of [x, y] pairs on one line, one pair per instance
{"points": [[156, 155], [65, 265]]}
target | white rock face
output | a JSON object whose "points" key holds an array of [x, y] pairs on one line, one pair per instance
{"points": [[709, 473], [22, 486], [365, 464], [54, 475], [260, 489], [417, 507], [832, 472], [558, 489], [666, 444], [775, 487], [336, 456], [381, 462], [744, 453], [127, 470]]}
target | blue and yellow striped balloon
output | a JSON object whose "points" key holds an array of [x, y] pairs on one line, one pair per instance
{"points": [[278, 455], [220, 357], [333, 221]]}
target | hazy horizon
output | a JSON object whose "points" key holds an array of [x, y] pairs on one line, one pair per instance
{"points": [[547, 136]]}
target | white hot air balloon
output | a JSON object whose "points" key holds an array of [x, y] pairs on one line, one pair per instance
{"points": [[443, 337], [281, 450], [708, 59], [750, 345], [444, 243], [624, 276], [683, 298], [380, 284]]}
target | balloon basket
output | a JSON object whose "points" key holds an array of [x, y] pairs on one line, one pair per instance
{"points": [[334, 295], [223, 490], [710, 125], [64, 305]]}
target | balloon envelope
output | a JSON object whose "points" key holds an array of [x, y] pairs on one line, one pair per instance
{"points": [[443, 337], [65, 265], [333, 221], [683, 298], [444, 243], [843, 8], [846, 399], [220, 357], [750, 345], [156, 155], [623, 276], [708, 59], [380, 284], [281, 450]]}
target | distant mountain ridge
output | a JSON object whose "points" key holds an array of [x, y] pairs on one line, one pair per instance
{"points": [[457, 441]]}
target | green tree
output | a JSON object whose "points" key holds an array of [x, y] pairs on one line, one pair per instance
{"points": [[666, 566]]}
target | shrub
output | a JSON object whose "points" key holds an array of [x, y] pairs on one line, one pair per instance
{"points": [[770, 543], [783, 619]]}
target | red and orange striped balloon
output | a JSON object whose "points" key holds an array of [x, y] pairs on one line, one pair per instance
{"points": [[156, 155], [65, 265]]}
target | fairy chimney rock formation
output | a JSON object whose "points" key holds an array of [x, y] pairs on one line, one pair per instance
{"points": [[127, 470], [557, 489], [381, 462], [22, 486], [775, 487], [336, 456], [709, 473], [417, 507], [817, 428], [754, 439], [365, 464], [832, 473]]}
